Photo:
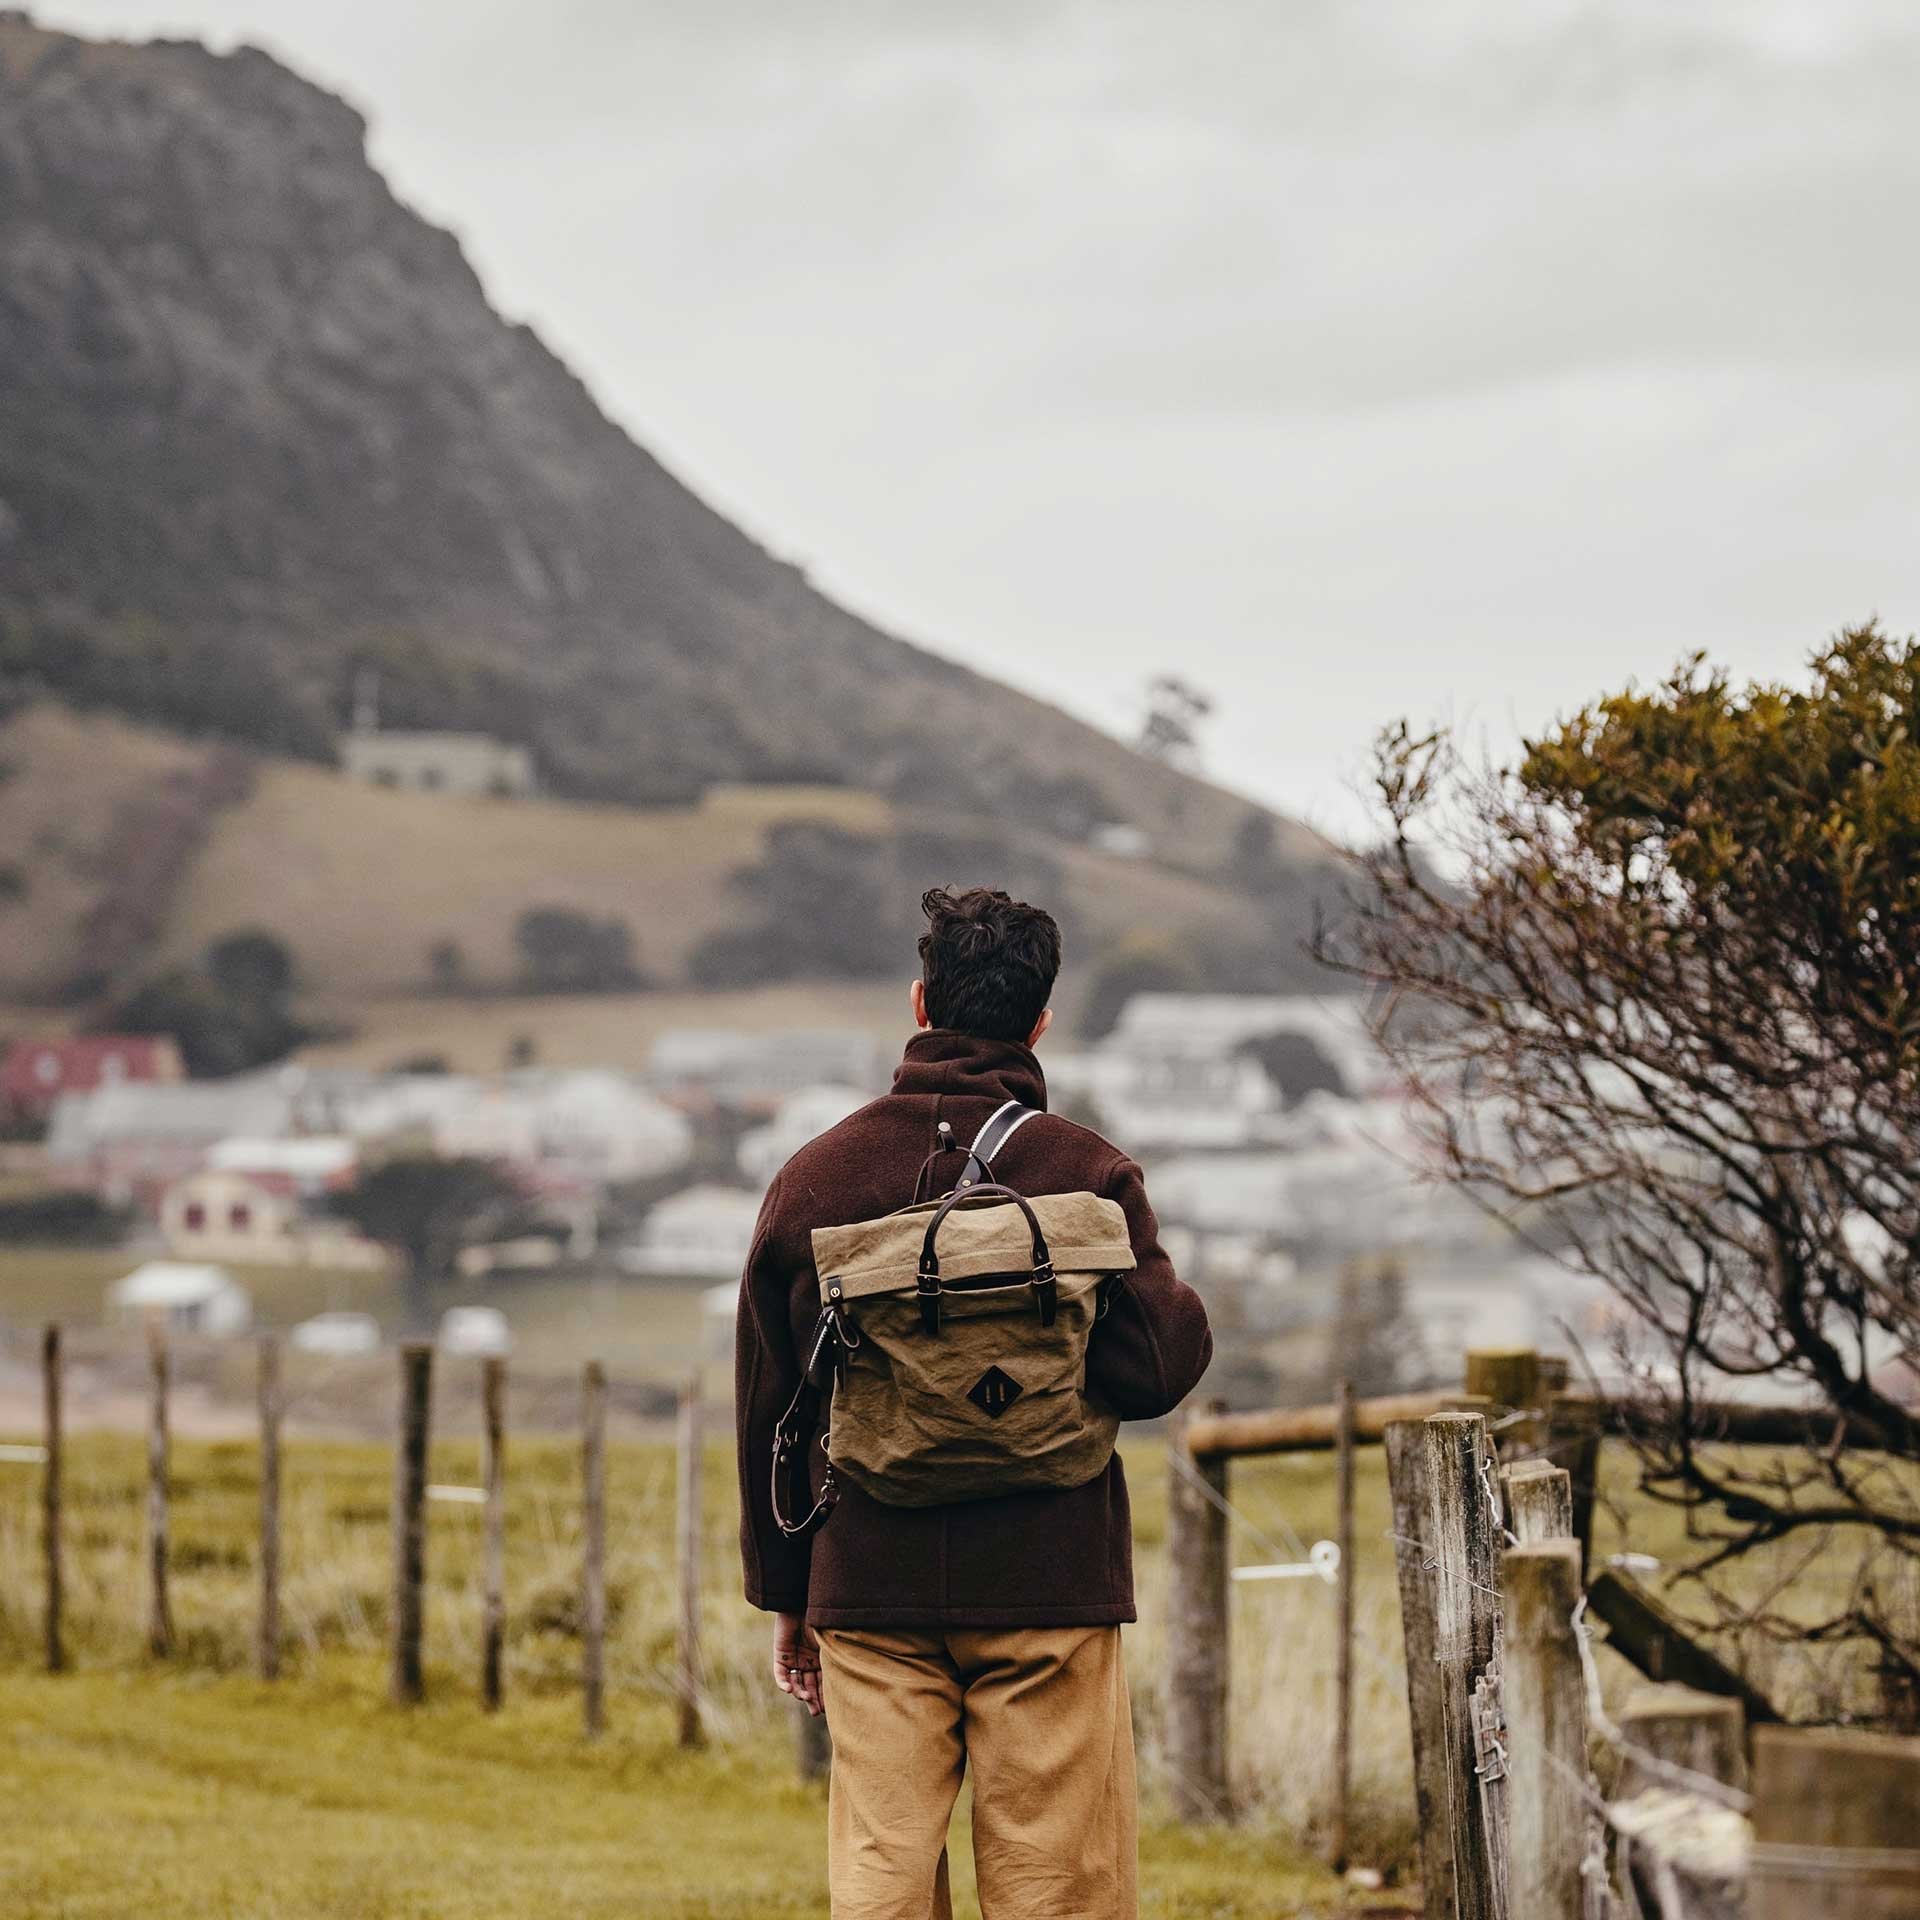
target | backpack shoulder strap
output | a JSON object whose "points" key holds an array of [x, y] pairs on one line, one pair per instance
{"points": [[1000, 1127]]}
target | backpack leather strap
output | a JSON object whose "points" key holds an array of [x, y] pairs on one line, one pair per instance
{"points": [[927, 1285], [1000, 1127], [792, 1437]]}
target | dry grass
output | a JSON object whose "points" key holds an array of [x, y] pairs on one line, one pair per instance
{"points": [[612, 1030], [64, 777], [360, 880]]}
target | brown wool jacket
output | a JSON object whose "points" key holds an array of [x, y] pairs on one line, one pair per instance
{"points": [[1028, 1559]]}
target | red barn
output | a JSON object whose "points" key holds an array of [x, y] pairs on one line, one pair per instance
{"points": [[35, 1073]]}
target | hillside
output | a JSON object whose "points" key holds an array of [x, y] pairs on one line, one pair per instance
{"points": [[263, 425], [129, 856]]}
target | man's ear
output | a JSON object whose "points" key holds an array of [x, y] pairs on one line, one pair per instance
{"points": [[917, 1000], [1039, 1027]]}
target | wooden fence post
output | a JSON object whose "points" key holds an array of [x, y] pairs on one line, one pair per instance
{"points": [[159, 1605], [1196, 1614], [1461, 1534], [1703, 1732], [51, 1493], [493, 1552], [687, 1640], [1834, 1814], [1508, 1378], [1573, 1442], [1544, 1694], [267, 1640], [1539, 1502], [1343, 1645], [1405, 1443], [408, 1680], [593, 1569]]}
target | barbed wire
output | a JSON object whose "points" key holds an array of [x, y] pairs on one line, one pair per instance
{"points": [[1219, 1501]]}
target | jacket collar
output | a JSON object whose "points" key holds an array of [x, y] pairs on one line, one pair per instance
{"points": [[964, 1066]]}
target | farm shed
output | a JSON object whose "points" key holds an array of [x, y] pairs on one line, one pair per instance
{"points": [[186, 1297]]}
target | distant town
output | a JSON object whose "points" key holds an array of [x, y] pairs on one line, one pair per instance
{"points": [[1285, 1164]]}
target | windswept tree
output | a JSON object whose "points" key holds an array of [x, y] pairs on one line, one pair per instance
{"points": [[1176, 711], [426, 1211], [1663, 1011]]}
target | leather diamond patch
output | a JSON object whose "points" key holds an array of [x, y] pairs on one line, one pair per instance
{"points": [[994, 1392]]}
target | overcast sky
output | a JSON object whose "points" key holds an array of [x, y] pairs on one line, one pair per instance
{"points": [[1352, 359]]}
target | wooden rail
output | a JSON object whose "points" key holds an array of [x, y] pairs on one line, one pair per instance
{"points": [[1316, 1429], [1226, 1436]]}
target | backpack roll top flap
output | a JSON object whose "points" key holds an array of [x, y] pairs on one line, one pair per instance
{"points": [[963, 1327], [1084, 1233]]}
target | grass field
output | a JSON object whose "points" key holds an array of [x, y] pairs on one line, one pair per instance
{"points": [[206, 1794], [373, 1813], [175, 1800]]}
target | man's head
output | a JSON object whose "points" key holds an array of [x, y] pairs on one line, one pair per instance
{"points": [[987, 965]]}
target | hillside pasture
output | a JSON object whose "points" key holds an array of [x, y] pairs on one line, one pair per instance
{"points": [[68, 784], [362, 883]]}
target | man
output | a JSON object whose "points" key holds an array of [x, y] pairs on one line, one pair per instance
{"points": [[985, 1632]]}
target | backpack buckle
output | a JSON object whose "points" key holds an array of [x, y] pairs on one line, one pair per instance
{"points": [[927, 1288], [1046, 1295]]}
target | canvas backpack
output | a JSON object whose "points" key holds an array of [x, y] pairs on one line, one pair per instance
{"points": [[952, 1350]]}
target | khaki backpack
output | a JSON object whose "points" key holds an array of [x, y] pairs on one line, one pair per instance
{"points": [[953, 1345]]}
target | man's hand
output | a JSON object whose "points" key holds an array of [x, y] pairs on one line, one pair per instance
{"points": [[796, 1660]]}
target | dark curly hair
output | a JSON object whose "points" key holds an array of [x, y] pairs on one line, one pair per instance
{"points": [[988, 962]]}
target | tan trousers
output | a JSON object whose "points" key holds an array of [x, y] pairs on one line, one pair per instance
{"points": [[1041, 1713]]}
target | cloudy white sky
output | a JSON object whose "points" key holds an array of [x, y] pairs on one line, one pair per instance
{"points": [[1351, 358]]}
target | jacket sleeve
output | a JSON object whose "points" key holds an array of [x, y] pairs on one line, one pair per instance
{"points": [[766, 1371], [1149, 1352]]}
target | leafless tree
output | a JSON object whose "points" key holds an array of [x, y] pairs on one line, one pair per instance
{"points": [[1657, 991]]}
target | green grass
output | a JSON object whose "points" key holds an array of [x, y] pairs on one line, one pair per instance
{"points": [[169, 1757], [200, 1792], [169, 1795]]}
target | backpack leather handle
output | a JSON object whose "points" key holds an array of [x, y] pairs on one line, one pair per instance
{"points": [[928, 1285]]}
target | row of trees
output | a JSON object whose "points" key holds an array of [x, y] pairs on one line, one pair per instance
{"points": [[558, 950]]}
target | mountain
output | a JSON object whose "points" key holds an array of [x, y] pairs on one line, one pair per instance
{"points": [[263, 427]]}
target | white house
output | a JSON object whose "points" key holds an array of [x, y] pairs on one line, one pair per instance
{"points": [[306, 1164], [594, 1126], [220, 1215], [474, 1330], [1244, 1258], [1168, 1097], [1220, 1023], [337, 1332], [756, 1071], [1223, 1193], [405, 1103], [702, 1233], [130, 1137], [763, 1151], [186, 1298], [462, 763]]}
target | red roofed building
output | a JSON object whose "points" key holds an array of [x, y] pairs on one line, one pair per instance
{"points": [[35, 1073]]}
